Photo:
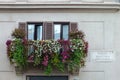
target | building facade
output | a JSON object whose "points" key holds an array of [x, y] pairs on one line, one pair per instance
{"points": [[99, 19]]}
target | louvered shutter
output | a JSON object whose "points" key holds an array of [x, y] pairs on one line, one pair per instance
{"points": [[22, 25], [73, 26], [48, 30]]}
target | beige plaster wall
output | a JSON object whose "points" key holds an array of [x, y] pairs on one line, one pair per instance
{"points": [[102, 33]]}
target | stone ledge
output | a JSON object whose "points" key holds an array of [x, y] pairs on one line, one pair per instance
{"points": [[109, 6]]}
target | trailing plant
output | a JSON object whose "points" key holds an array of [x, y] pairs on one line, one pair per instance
{"points": [[16, 52], [48, 69], [78, 55]]}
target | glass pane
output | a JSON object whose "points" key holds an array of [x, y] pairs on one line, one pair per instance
{"points": [[39, 32], [57, 31], [65, 32], [31, 28]]}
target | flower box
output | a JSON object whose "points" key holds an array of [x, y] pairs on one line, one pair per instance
{"points": [[49, 54]]}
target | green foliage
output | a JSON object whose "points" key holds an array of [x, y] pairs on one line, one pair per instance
{"points": [[57, 62], [18, 53], [48, 69], [77, 54], [61, 66]]}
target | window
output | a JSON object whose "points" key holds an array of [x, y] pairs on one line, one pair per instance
{"points": [[46, 77], [48, 30], [61, 31], [34, 31]]}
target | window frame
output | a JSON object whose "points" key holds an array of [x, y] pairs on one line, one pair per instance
{"points": [[35, 23]]}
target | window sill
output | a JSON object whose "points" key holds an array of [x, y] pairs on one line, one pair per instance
{"points": [[108, 6]]}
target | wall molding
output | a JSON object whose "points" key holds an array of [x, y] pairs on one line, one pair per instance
{"points": [[105, 6]]}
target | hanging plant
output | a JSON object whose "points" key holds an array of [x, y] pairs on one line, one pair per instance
{"points": [[16, 52]]}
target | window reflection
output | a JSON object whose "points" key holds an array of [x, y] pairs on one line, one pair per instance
{"points": [[61, 31], [65, 32], [39, 32], [31, 31], [57, 28], [34, 32]]}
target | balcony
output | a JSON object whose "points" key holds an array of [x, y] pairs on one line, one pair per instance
{"points": [[47, 54]]}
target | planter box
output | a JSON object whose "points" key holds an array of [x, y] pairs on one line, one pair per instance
{"points": [[39, 55], [75, 71], [92, 1], [19, 70]]}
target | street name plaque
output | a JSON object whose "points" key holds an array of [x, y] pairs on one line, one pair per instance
{"points": [[102, 56]]}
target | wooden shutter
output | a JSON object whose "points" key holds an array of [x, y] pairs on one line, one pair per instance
{"points": [[22, 25], [73, 26], [48, 30]]}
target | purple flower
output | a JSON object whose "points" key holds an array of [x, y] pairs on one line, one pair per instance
{"points": [[8, 42]]}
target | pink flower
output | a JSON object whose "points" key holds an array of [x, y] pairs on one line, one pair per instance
{"points": [[45, 61], [65, 56], [63, 60]]}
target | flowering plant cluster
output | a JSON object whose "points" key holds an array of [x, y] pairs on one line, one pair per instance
{"points": [[16, 52], [49, 54]]}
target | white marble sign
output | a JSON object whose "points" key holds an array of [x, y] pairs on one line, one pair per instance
{"points": [[102, 56]]}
